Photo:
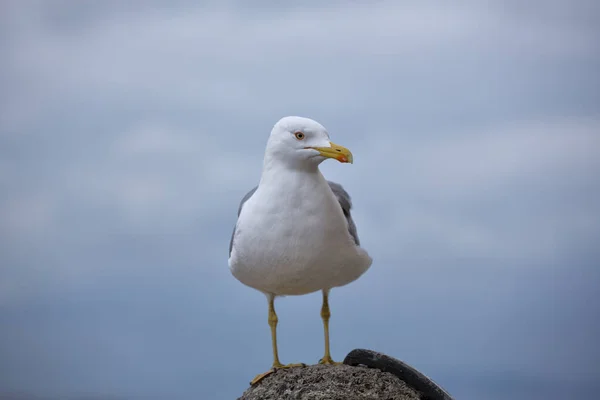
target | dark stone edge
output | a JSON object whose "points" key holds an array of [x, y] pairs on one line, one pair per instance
{"points": [[428, 388]]}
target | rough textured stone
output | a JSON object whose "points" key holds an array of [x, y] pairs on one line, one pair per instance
{"points": [[324, 382]]}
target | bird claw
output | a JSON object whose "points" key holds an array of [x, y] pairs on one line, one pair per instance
{"points": [[273, 369], [329, 361], [262, 376]]}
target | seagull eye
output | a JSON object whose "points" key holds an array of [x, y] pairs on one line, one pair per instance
{"points": [[299, 135]]}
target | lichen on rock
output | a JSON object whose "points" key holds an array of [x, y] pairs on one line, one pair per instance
{"points": [[325, 382]]}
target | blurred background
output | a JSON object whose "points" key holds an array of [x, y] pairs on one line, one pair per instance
{"points": [[129, 131]]}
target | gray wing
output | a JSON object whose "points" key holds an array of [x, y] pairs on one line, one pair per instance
{"points": [[346, 204], [244, 199]]}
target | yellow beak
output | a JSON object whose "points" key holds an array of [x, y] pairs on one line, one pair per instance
{"points": [[336, 151]]}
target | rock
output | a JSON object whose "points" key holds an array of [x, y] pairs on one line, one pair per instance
{"points": [[325, 382], [365, 375]]}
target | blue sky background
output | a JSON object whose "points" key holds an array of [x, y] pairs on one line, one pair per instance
{"points": [[129, 131]]}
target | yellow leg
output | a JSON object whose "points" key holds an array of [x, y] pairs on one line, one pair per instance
{"points": [[325, 314], [276, 363], [273, 320]]}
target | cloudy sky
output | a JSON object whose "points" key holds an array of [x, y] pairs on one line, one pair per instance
{"points": [[129, 131]]}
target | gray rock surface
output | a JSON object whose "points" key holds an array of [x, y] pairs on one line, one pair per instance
{"points": [[324, 382]]}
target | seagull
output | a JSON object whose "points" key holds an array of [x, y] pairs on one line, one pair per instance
{"points": [[294, 234]]}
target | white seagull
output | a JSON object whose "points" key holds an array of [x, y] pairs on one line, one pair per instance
{"points": [[295, 234]]}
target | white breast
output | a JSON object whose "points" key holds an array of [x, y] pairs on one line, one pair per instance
{"points": [[292, 238]]}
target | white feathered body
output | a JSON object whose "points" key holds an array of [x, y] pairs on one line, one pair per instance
{"points": [[292, 237]]}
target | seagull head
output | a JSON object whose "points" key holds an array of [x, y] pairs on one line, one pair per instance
{"points": [[303, 141]]}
